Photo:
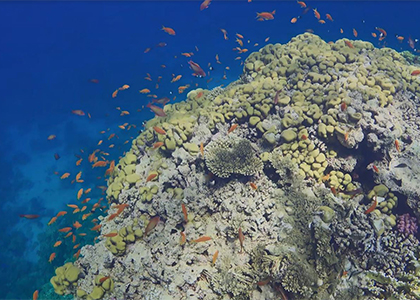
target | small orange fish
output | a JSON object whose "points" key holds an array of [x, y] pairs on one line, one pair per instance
{"points": [[168, 30], [355, 32], [29, 216], [78, 176], [341, 30], [82, 234], [328, 16], [215, 255], [35, 295], [253, 186], [334, 191], [151, 225], [87, 191], [53, 219], [52, 256], [79, 162], [224, 33], [79, 194], [397, 145], [349, 44], [202, 149], [104, 278], [112, 234], [58, 243], [51, 137], [205, 4], [176, 78], [78, 112], [183, 239], [302, 4], [202, 239], [375, 168], [321, 21], [232, 128], [68, 234], [76, 246], [184, 211], [76, 255], [264, 282], [77, 225], [157, 145], [61, 213], [144, 91], [151, 177], [293, 20], [96, 228], [264, 16], [316, 14], [74, 238], [374, 34], [85, 216], [100, 163], [65, 229], [415, 73], [372, 207], [72, 205], [241, 238], [159, 130], [65, 175]]}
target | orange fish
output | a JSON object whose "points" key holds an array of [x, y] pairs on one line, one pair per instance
{"points": [[184, 211], [397, 145], [215, 255], [76, 246], [112, 234], [101, 163], [58, 243], [232, 128], [316, 14], [293, 20], [51, 137], [349, 44], [205, 4], [253, 185], [241, 238], [375, 168], [266, 15], [52, 256], [87, 191], [72, 205], [373, 34], [151, 177], [176, 78], [74, 239], [151, 225], [82, 234], [183, 239], [415, 73], [29, 216], [79, 194], [321, 21], [372, 207], [341, 30], [85, 216], [68, 234], [202, 239], [399, 38], [76, 255], [35, 295], [77, 225], [354, 32], [84, 207], [65, 175], [157, 145], [383, 33], [328, 16], [224, 33], [78, 112], [168, 30], [53, 219], [65, 229], [97, 227], [144, 91], [78, 176], [103, 279], [110, 169], [159, 130], [302, 4], [61, 213], [79, 162]]}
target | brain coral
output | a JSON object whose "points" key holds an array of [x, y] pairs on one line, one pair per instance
{"points": [[225, 157]]}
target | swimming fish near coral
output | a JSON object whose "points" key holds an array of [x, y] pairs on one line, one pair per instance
{"points": [[201, 239], [29, 216], [184, 211], [52, 256], [159, 130], [373, 206], [241, 238], [183, 238], [151, 225], [168, 30]]}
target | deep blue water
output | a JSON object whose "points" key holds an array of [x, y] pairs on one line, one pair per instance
{"points": [[49, 52]]}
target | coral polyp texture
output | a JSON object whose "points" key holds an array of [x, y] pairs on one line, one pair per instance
{"points": [[300, 200]]}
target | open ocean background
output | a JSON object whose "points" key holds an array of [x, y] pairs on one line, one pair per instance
{"points": [[49, 52]]}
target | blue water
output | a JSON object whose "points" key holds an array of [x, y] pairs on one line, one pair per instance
{"points": [[49, 52]]}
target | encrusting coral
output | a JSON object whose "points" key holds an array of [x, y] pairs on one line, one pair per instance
{"points": [[299, 200]]}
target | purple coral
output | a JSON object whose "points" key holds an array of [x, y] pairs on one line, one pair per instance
{"points": [[407, 224]]}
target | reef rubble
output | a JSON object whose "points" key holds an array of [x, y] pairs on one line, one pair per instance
{"points": [[288, 182]]}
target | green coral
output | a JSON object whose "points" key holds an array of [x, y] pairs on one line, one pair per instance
{"points": [[231, 155], [66, 277]]}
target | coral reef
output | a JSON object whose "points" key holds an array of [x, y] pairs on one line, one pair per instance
{"points": [[407, 224], [300, 199]]}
